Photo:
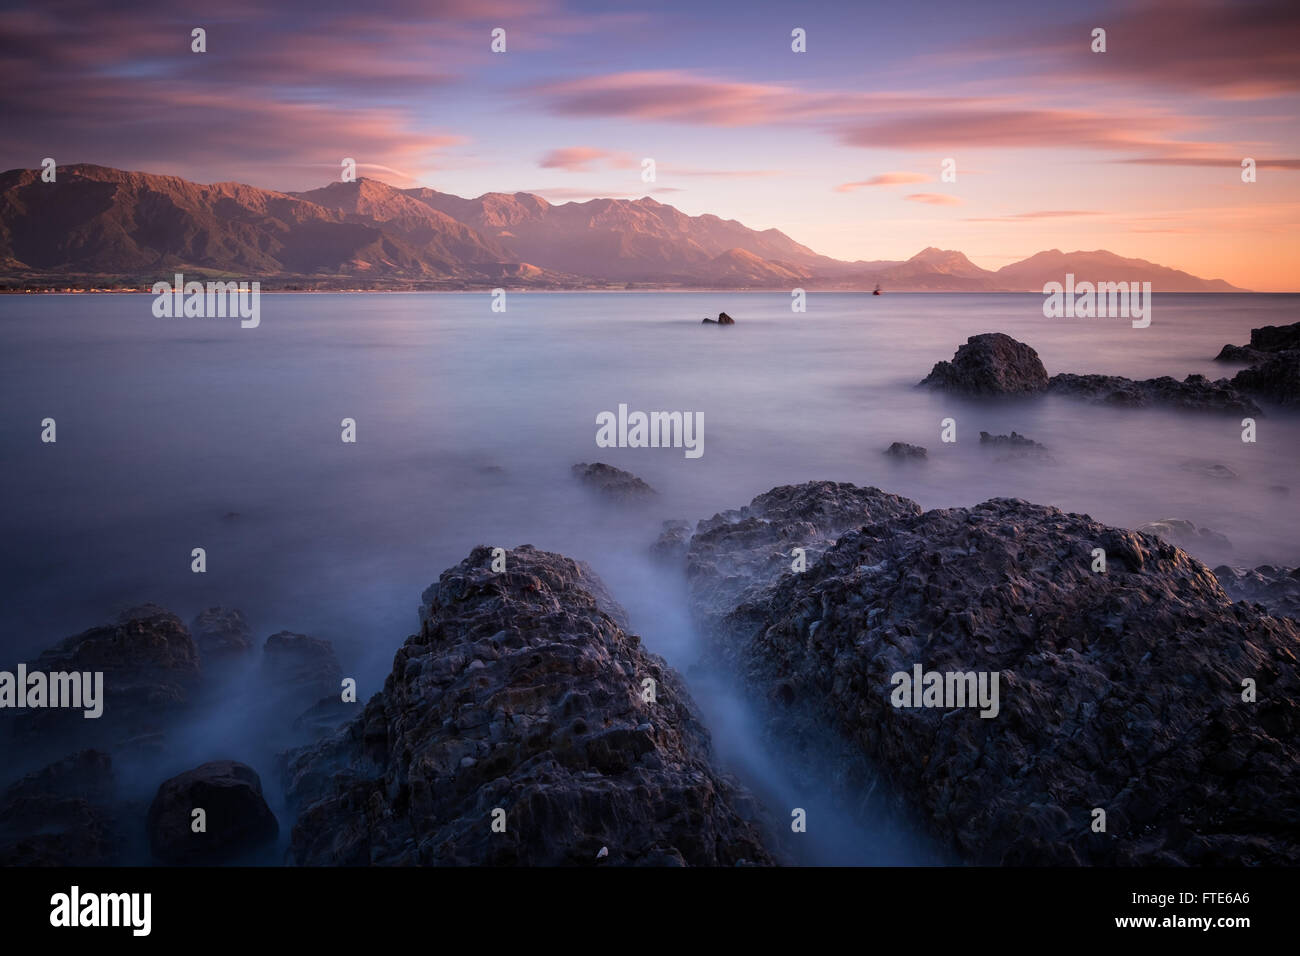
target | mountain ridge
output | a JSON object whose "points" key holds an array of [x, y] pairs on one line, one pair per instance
{"points": [[97, 221]]}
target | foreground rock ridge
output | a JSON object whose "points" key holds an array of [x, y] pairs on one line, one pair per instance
{"points": [[1120, 691], [521, 693]]}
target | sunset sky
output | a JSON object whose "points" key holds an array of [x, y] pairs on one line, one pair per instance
{"points": [[1137, 150]]}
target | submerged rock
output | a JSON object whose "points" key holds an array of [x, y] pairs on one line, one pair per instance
{"points": [[237, 817], [520, 695], [722, 319], [613, 483], [1194, 393], [1184, 534], [990, 364], [1277, 589], [1208, 469], [1119, 690], [300, 669], [1014, 440], [903, 450], [62, 815]]}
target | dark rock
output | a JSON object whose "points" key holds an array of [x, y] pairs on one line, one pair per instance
{"points": [[1275, 379], [736, 555], [613, 482], [1195, 393], [62, 815], [520, 693], [1119, 690], [221, 633], [724, 319], [1277, 589], [300, 670], [990, 364], [150, 666], [1014, 440], [673, 541], [1183, 534], [904, 451], [1263, 341], [237, 817]]}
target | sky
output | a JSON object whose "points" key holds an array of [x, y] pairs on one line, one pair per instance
{"points": [[1137, 149]]}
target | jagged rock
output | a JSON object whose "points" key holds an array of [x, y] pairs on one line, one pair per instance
{"points": [[1263, 341], [1194, 393], [520, 693], [724, 319], [221, 633], [150, 666], [738, 554], [1277, 589], [1184, 534], [613, 482], [990, 364], [1014, 440], [61, 815], [1120, 690], [237, 817], [300, 669], [902, 450], [1275, 379]]}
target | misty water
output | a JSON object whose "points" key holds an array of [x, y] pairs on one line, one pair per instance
{"points": [[183, 433]]}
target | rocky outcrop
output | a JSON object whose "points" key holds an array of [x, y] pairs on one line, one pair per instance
{"points": [[1185, 534], [221, 633], [520, 695], [1194, 393], [236, 817], [150, 666], [1277, 589], [674, 540], [62, 815], [988, 365], [905, 452], [1015, 447], [737, 555], [722, 319], [1263, 342], [613, 483], [1121, 690]]}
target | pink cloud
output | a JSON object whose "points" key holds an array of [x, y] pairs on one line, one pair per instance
{"points": [[884, 179], [584, 159], [934, 199]]}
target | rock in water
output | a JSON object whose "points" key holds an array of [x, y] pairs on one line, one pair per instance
{"points": [[990, 364], [1275, 379], [1184, 534], [221, 633], [1263, 341], [1120, 691], [237, 817], [903, 450], [737, 555], [300, 670], [724, 319], [151, 669], [1194, 393], [614, 483], [521, 695]]}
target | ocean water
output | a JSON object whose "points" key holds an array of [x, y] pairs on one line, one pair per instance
{"points": [[183, 433]]}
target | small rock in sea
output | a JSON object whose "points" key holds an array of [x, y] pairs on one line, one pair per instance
{"points": [[604, 852], [1015, 440], [724, 319], [221, 632], [1194, 393], [1209, 469], [903, 450], [990, 364], [1263, 341], [613, 482]]}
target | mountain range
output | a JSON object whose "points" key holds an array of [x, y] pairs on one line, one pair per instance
{"points": [[97, 226]]}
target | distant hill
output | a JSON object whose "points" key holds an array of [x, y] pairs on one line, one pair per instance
{"points": [[97, 223]]}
